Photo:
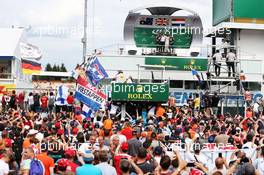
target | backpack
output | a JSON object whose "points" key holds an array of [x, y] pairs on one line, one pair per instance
{"points": [[36, 167]]}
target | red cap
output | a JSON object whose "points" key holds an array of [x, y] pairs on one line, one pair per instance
{"points": [[124, 146], [57, 125], [63, 163], [75, 131], [70, 152], [60, 131], [8, 142]]}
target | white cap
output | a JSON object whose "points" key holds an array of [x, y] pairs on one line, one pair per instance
{"points": [[32, 132], [39, 136]]}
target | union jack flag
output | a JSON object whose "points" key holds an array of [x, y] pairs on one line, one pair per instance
{"points": [[162, 22]]}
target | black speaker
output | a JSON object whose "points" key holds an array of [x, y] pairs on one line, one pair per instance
{"points": [[194, 54], [132, 52]]}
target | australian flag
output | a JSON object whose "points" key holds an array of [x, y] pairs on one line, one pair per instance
{"points": [[96, 72], [146, 21]]}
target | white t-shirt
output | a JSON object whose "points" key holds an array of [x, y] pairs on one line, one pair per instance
{"points": [[249, 145], [218, 57], [163, 38], [259, 165], [4, 168], [113, 109], [231, 57], [201, 158], [255, 107], [30, 100]]}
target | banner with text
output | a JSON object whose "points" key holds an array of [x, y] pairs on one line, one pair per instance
{"points": [[89, 94], [140, 92], [176, 63]]}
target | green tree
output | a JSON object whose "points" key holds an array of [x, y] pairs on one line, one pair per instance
{"points": [[63, 68], [48, 67], [55, 68], [58, 68]]}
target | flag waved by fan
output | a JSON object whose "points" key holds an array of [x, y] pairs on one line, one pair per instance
{"points": [[62, 94], [89, 95], [87, 112], [95, 71]]}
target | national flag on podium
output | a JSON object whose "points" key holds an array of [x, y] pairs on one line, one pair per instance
{"points": [[146, 21], [30, 67], [178, 22], [162, 22]]}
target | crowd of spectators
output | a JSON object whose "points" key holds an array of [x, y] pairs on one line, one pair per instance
{"points": [[38, 137]]}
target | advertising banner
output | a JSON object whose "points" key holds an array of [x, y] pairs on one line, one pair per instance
{"points": [[184, 64], [140, 92]]}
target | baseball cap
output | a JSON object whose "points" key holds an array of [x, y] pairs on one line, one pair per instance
{"points": [[124, 146], [75, 131], [57, 125], [32, 132], [88, 156], [60, 131], [70, 152], [63, 163]]}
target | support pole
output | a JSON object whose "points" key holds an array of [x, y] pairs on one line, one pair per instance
{"points": [[123, 111], [84, 39]]}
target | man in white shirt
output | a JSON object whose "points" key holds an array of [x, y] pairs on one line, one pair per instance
{"points": [[217, 57], [230, 61], [259, 162], [197, 156], [162, 42], [91, 145], [4, 167], [250, 142]]}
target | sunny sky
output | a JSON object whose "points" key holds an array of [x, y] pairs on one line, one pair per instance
{"points": [[55, 26]]}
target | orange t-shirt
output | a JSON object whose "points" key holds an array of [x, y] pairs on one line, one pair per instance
{"points": [[26, 143], [160, 111], [79, 118], [108, 124], [47, 161], [101, 133]]}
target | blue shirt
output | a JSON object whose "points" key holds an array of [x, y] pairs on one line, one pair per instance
{"points": [[88, 169]]}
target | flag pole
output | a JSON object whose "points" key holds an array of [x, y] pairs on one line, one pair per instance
{"points": [[84, 39]]}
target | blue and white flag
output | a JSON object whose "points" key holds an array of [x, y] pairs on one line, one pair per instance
{"points": [[96, 72], [89, 95], [87, 111], [62, 94], [74, 74]]}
